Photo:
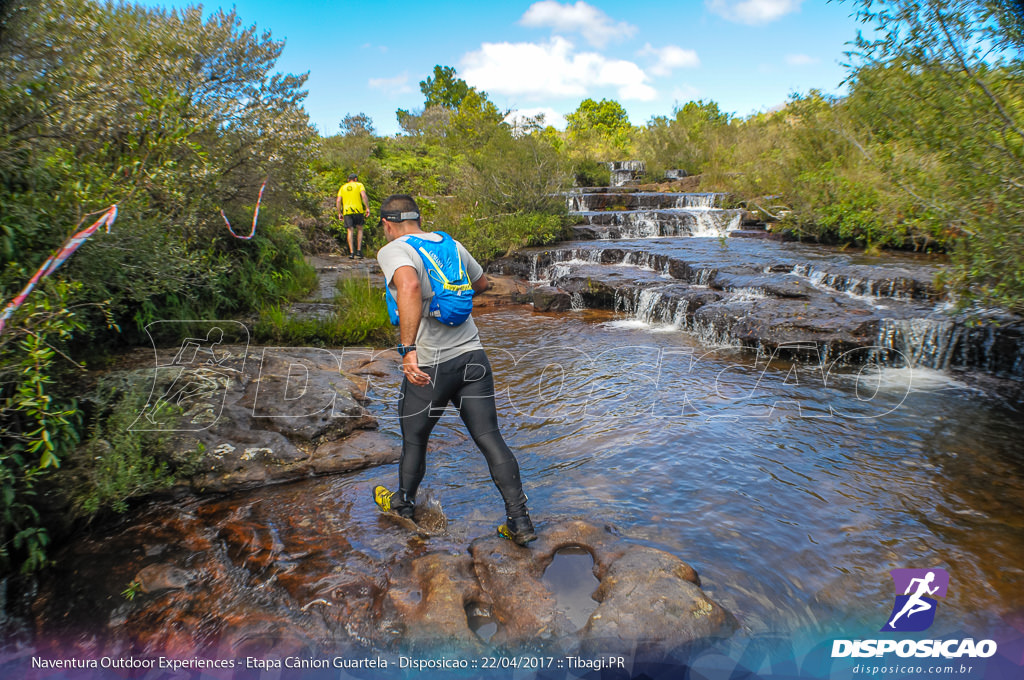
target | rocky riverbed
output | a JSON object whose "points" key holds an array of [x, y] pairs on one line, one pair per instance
{"points": [[264, 549]]}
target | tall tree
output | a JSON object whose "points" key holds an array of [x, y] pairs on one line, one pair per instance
{"points": [[356, 125], [941, 84], [599, 129], [444, 88]]}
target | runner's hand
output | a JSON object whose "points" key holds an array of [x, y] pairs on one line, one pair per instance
{"points": [[411, 368]]}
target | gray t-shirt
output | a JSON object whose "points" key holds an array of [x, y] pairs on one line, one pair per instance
{"points": [[435, 341]]}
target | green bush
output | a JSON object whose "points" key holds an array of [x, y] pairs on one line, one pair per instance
{"points": [[360, 316], [490, 238], [118, 463], [98, 107], [38, 424], [591, 173]]}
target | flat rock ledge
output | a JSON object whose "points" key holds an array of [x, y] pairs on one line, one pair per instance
{"points": [[256, 416], [649, 602]]}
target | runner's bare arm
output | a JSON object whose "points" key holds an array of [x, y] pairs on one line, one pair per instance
{"points": [[409, 299], [481, 284]]}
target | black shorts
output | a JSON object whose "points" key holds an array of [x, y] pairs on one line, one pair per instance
{"points": [[355, 220]]}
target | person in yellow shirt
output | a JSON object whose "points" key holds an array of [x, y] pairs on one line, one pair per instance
{"points": [[354, 207]]}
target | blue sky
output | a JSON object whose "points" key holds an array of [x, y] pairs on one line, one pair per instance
{"points": [[747, 55]]}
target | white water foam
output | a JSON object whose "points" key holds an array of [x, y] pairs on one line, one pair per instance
{"points": [[709, 222], [889, 380], [748, 294]]}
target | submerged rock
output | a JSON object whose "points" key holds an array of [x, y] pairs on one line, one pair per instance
{"points": [[158, 577]]}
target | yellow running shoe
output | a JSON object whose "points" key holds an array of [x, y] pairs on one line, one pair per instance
{"points": [[519, 530], [383, 498]]}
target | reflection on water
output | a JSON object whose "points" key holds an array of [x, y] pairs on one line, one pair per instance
{"points": [[789, 486], [570, 576], [792, 488]]}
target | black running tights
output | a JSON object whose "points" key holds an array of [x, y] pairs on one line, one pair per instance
{"points": [[467, 382]]}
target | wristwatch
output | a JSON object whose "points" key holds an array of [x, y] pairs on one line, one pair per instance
{"points": [[405, 349]]}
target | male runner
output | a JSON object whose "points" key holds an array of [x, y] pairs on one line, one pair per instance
{"points": [[354, 207], [441, 364]]}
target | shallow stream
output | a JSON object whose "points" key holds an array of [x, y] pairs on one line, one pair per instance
{"points": [[792, 492]]}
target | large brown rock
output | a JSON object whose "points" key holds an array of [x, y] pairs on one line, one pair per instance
{"points": [[503, 290], [261, 415], [647, 599], [551, 299]]}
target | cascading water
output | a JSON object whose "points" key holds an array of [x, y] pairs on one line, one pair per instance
{"points": [[661, 259], [715, 223], [929, 343], [648, 215], [625, 171], [863, 286], [699, 201]]}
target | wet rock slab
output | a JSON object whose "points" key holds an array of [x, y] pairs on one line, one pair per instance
{"points": [[503, 290], [646, 598], [267, 575], [550, 299], [247, 417]]}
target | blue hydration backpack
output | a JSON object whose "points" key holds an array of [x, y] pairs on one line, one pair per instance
{"points": [[453, 293]]}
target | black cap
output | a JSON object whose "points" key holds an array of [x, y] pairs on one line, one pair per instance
{"points": [[352, 175]]}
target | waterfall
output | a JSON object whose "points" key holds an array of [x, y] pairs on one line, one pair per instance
{"points": [[679, 319], [561, 263], [713, 222], [703, 277], [647, 305], [625, 171], [922, 342], [534, 267], [860, 287], [639, 225], [576, 303], [698, 201]]}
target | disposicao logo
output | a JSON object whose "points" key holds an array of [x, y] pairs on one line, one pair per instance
{"points": [[913, 611]]}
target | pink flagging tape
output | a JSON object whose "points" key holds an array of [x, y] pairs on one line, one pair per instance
{"points": [[255, 216], [54, 262]]}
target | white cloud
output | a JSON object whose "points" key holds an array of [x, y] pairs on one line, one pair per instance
{"points": [[594, 25], [670, 58], [551, 117], [753, 11], [685, 93], [801, 60], [396, 85], [551, 69]]}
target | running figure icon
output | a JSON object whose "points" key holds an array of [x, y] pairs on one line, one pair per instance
{"points": [[915, 604], [916, 592]]}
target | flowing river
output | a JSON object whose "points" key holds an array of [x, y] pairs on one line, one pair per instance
{"points": [[791, 492]]}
